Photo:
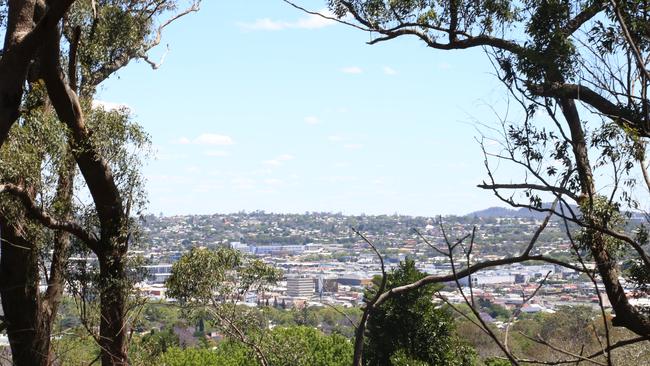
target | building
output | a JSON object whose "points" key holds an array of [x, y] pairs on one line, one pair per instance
{"points": [[158, 273], [244, 248], [300, 286], [277, 249]]}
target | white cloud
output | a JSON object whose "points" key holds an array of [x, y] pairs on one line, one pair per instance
{"points": [[346, 142], [272, 162], [352, 70], [311, 21], [278, 160], [207, 139], [389, 70], [311, 120], [264, 24]]}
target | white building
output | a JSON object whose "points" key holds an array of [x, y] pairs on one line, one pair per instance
{"points": [[300, 286]]}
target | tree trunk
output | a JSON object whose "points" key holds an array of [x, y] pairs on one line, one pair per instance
{"points": [[112, 247], [29, 314], [626, 315], [14, 63], [113, 297], [27, 328], [22, 40]]}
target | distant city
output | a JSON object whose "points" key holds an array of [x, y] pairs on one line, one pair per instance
{"points": [[325, 261]]}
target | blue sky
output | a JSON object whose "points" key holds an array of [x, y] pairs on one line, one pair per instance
{"points": [[260, 106]]}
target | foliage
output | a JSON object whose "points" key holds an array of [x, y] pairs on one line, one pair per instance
{"points": [[497, 362], [210, 284], [292, 346], [400, 358], [410, 326], [305, 346], [76, 347], [494, 310], [152, 345], [208, 277], [190, 357]]}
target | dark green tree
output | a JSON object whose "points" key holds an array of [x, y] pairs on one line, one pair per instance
{"points": [[410, 326]]}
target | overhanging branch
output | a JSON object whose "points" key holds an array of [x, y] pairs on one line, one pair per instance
{"points": [[431, 279], [537, 187]]}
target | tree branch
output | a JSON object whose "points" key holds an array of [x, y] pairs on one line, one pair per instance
{"points": [[538, 187], [35, 212], [370, 305], [471, 270], [108, 69], [624, 117]]}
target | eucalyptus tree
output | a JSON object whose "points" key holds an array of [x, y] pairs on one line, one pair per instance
{"points": [[579, 71], [95, 39], [215, 282], [36, 157]]}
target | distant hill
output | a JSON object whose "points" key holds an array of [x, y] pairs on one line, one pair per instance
{"points": [[495, 212], [510, 212]]}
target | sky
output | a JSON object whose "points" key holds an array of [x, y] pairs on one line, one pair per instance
{"points": [[259, 106]]}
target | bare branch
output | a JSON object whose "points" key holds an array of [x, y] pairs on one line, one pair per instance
{"points": [[468, 271], [340, 312], [370, 305], [108, 69], [429, 243], [542, 341], [470, 302], [538, 187], [541, 228], [628, 37], [335, 19]]}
